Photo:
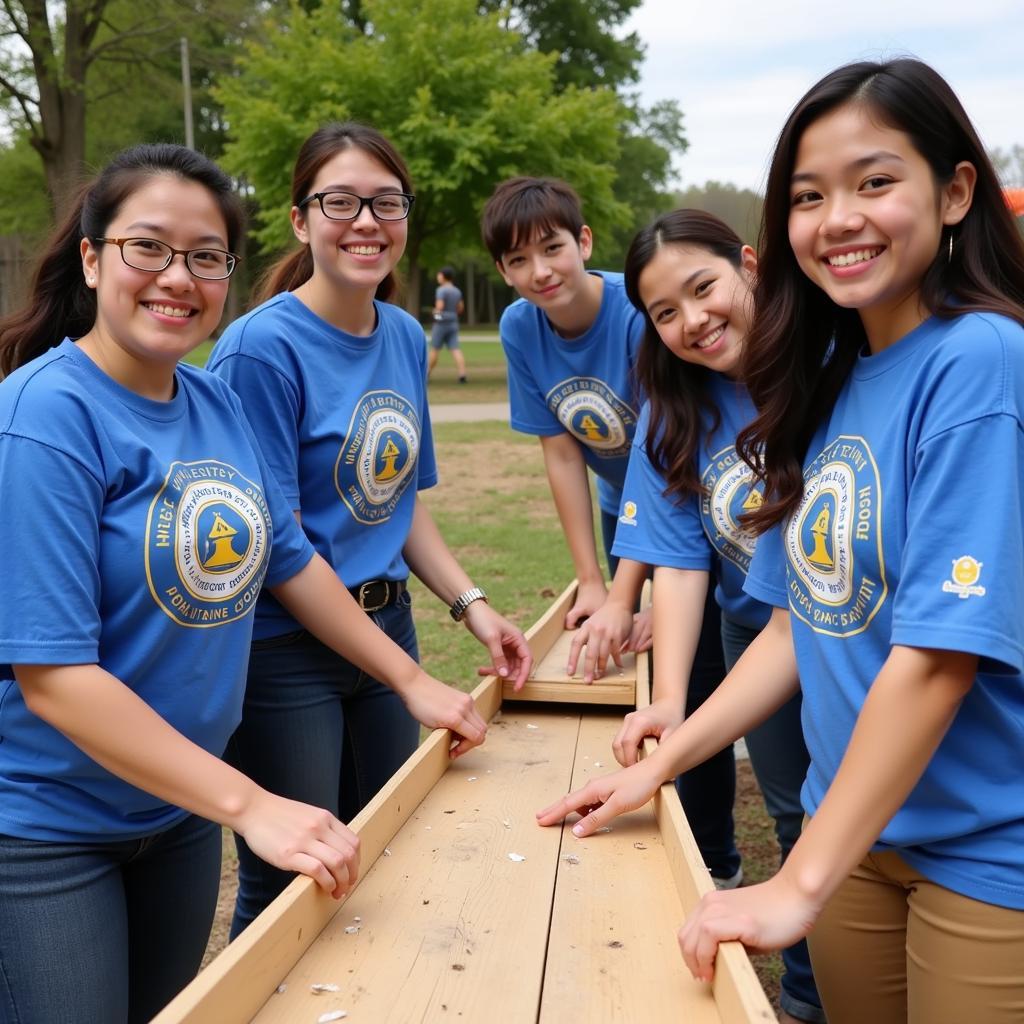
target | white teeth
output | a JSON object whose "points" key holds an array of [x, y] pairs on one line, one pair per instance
{"points": [[847, 259], [363, 250], [168, 310], [711, 338]]}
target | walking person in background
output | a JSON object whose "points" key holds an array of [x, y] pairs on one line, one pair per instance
{"points": [[448, 307]]}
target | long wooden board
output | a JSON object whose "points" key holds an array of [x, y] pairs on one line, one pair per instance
{"points": [[451, 927]]}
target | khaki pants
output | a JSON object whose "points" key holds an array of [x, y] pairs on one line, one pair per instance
{"points": [[892, 947]]}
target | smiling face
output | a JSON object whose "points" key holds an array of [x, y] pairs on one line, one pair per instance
{"points": [[146, 322], [549, 270], [352, 255], [867, 218], [699, 303]]}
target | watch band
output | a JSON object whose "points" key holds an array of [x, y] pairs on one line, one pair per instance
{"points": [[463, 601]]}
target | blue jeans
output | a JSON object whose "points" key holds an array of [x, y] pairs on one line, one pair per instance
{"points": [[779, 758], [104, 933], [316, 728]]}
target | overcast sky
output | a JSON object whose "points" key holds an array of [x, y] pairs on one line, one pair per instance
{"points": [[737, 67]]}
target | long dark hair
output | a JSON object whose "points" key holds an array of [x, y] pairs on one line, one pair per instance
{"points": [[681, 409], [325, 143], [801, 346], [60, 304]]}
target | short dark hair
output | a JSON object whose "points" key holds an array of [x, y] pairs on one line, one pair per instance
{"points": [[522, 208], [448, 273]]}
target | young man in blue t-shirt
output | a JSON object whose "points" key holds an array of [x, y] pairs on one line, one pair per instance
{"points": [[570, 341]]}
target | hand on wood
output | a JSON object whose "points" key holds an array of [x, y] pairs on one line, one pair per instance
{"points": [[603, 635], [641, 638], [657, 720], [604, 799], [510, 653], [298, 837], [763, 917], [438, 706], [589, 598]]}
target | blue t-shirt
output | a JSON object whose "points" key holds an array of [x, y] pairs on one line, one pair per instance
{"points": [[344, 425], [136, 536], [583, 386], [701, 532], [911, 532]]}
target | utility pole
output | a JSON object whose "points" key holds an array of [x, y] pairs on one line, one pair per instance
{"points": [[186, 89]]}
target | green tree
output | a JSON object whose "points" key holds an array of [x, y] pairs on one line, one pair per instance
{"points": [[81, 79], [583, 34], [462, 98]]}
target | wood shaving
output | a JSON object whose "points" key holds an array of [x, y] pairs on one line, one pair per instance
{"points": [[387, 852], [597, 764], [507, 824], [472, 778], [606, 828], [326, 1018], [351, 929], [281, 989], [639, 846], [571, 858], [323, 986], [532, 726], [518, 858], [357, 920]]}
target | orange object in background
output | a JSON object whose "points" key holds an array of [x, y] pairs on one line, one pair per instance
{"points": [[1015, 200]]}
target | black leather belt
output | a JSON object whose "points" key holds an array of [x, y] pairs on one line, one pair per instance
{"points": [[373, 595]]}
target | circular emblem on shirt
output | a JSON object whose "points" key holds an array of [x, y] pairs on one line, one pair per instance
{"points": [[377, 459], [594, 415], [833, 541], [729, 493], [208, 535]]}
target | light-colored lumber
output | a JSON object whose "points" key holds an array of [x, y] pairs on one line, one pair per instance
{"points": [[612, 952], [451, 928], [244, 976]]}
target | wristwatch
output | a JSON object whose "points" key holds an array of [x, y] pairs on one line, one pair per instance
{"points": [[463, 601]]}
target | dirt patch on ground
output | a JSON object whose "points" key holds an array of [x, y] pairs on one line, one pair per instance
{"points": [[226, 900], [493, 467]]}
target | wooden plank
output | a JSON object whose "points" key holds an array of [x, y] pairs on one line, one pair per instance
{"points": [[245, 975], [448, 918], [612, 952]]}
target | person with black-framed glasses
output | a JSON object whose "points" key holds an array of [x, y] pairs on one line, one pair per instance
{"points": [[336, 375]]}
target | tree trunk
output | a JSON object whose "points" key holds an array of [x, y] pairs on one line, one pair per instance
{"points": [[471, 320], [412, 284], [60, 137]]}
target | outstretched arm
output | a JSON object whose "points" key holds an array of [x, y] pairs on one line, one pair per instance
{"points": [[318, 599], [908, 710], [761, 682], [117, 729]]}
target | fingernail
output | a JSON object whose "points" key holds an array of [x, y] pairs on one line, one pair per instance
{"points": [[577, 830], [502, 671]]}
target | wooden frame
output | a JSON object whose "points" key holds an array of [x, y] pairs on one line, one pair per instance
{"points": [[478, 914]]}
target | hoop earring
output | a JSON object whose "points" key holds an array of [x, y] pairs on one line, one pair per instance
{"points": [[949, 254]]}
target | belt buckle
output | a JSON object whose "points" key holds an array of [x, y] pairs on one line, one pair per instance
{"points": [[364, 590]]}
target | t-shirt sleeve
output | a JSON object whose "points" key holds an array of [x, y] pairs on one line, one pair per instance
{"points": [[273, 405], [528, 407], [656, 529], [50, 525], [766, 578], [961, 576]]}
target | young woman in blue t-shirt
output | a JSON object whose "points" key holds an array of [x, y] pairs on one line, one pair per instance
{"points": [[685, 493], [886, 361], [335, 378], [139, 523]]}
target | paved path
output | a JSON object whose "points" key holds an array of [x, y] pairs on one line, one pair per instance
{"points": [[469, 412]]}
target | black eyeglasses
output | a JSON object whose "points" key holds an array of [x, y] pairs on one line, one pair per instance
{"points": [[153, 256], [347, 206]]}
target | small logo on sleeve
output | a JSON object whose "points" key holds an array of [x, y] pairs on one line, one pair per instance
{"points": [[628, 517], [964, 578]]}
